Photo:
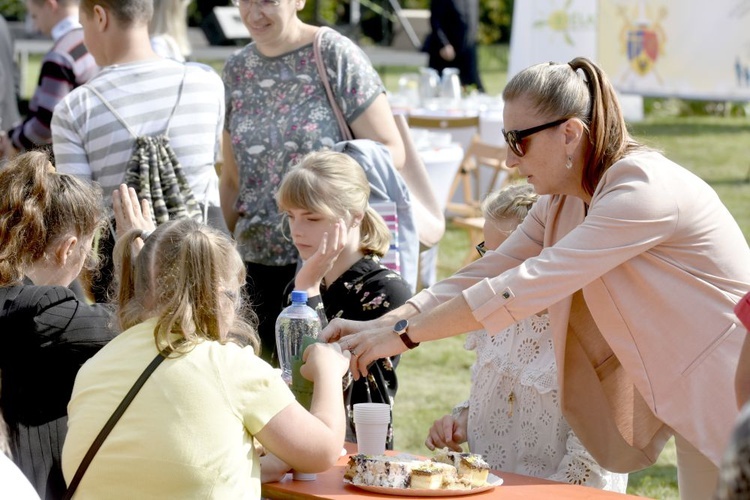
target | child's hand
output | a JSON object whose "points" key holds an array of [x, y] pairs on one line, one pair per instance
{"points": [[448, 431], [324, 360], [321, 262]]}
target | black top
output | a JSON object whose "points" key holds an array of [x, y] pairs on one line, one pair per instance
{"points": [[454, 22], [47, 334], [366, 291]]}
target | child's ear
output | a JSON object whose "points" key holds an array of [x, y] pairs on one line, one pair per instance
{"points": [[357, 219], [65, 249]]}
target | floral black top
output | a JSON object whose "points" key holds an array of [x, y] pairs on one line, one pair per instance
{"points": [[366, 291], [277, 111]]}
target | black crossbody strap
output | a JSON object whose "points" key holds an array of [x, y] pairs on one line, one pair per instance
{"points": [[113, 420]]}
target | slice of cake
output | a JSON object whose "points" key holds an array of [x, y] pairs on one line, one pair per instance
{"points": [[380, 470], [426, 477], [429, 475], [474, 469], [469, 466]]}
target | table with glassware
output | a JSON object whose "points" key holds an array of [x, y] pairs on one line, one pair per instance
{"points": [[330, 484]]}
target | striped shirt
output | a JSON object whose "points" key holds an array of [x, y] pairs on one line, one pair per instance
{"points": [[66, 66], [91, 143]]}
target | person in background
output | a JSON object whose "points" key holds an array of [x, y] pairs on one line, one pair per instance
{"points": [[152, 96], [65, 67], [340, 240], [47, 224], [452, 42], [9, 82], [276, 112], [168, 29], [513, 416], [638, 263], [734, 474], [190, 430]]}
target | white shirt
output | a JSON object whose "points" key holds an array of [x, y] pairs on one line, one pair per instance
{"points": [[515, 419]]}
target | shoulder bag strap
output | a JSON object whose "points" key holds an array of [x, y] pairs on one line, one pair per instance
{"points": [[111, 108], [179, 94], [343, 126], [113, 420]]}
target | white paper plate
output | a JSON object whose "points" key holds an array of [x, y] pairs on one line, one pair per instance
{"points": [[492, 481]]}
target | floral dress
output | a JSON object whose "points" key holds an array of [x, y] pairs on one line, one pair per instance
{"points": [[366, 291], [515, 420], [277, 111]]}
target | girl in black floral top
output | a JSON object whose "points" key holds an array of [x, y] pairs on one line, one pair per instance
{"points": [[341, 239]]}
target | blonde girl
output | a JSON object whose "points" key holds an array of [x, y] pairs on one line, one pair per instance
{"points": [[340, 240], [195, 419]]}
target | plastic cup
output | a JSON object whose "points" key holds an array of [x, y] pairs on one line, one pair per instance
{"points": [[304, 476], [371, 438], [371, 426]]}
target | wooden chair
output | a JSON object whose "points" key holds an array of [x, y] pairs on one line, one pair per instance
{"points": [[479, 158], [461, 128], [474, 226], [480, 161]]}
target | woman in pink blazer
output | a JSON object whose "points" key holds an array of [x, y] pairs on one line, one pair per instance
{"points": [[636, 259]]}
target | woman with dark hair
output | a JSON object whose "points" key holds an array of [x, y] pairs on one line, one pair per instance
{"points": [[638, 263]]}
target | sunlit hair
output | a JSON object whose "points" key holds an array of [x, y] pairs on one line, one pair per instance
{"points": [[514, 201], [334, 185], [188, 275], [170, 18], [39, 207], [127, 12], [581, 90]]}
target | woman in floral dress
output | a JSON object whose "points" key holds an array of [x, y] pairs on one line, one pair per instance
{"points": [[513, 416], [341, 238], [277, 110]]}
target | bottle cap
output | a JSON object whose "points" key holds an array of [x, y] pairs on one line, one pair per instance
{"points": [[299, 296]]}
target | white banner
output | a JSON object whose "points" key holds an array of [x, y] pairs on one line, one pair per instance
{"points": [[681, 48], [551, 30], [559, 31]]}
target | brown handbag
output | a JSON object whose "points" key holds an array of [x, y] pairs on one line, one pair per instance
{"points": [[430, 220], [600, 402]]}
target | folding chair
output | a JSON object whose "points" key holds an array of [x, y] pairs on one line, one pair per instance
{"points": [[480, 159]]}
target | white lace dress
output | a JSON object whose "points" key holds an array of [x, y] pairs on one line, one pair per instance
{"points": [[515, 420]]}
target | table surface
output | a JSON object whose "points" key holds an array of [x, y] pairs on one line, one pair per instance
{"points": [[330, 484]]}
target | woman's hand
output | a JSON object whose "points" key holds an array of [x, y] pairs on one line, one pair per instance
{"points": [[129, 212], [368, 346], [321, 262], [448, 431]]}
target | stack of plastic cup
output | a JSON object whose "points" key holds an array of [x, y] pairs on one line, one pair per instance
{"points": [[371, 424]]}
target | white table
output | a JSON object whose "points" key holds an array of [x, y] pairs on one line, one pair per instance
{"points": [[442, 165]]}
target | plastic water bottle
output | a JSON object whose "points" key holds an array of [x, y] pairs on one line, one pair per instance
{"points": [[297, 327]]}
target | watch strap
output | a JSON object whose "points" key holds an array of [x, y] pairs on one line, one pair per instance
{"points": [[407, 341]]}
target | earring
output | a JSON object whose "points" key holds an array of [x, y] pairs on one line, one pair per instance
{"points": [[569, 163]]}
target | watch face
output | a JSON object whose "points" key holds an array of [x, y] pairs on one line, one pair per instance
{"points": [[401, 325]]}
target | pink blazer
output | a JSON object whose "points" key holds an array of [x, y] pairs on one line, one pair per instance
{"points": [[660, 264]]}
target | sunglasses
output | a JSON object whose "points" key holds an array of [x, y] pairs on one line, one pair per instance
{"points": [[514, 137], [481, 249]]}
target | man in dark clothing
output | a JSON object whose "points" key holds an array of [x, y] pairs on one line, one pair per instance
{"points": [[453, 40]]}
